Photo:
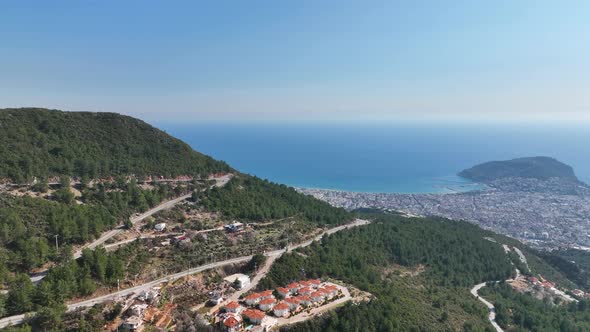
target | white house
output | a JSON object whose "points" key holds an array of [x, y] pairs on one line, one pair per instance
{"points": [[160, 227], [281, 309]]}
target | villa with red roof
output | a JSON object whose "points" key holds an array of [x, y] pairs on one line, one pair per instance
{"points": [[267, 294], [267, 304], [293, 303], [233, 307], [281, 309], [293, 287], [253, 299], [232, 323], [305, 291], [315, 283], [253, 315], [283, 292]]}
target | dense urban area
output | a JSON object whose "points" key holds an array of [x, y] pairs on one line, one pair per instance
{"points": [[548, 213]]}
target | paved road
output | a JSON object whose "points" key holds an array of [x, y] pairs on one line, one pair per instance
{"points": [[219, 182], [13, 320], [491, 308], [106, 236]]}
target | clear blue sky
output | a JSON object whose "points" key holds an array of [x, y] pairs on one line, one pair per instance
{"points": [[189, 61]]}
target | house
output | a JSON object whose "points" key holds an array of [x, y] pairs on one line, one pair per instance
{"points": [[533, 280], [325, 292], [333, 290], [293, 287], [281, 309], [233, 307], [149, 295], [304, 300], [305, 291], [232, 323], [267, 304], [160, 227], [317, 297], [267, 294], [254, 316], [133, 323], [293, 303], [315, 283], [235, 227], [305, 283], [578, 292], [181, 239], [283, 292], [138, 309], [252, 299], [238, 280], [215, 298]]}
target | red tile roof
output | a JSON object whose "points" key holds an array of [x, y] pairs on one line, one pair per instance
{"points": [[253, 296], [266, 293], [232, 305], [315, 281], [302, 298], [293, 285], [268, 301], [253, 314], [281, 306], [231, 322], [304, 290], [292, 300], [283, 290]]}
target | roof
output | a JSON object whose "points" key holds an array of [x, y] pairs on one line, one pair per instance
{"points": [[281, 306], [316, 294], [303, 298], [304, 290], [253, 296], [266, 293], [293, 285], [232, 305], [231, 322], [293, 300], [253, 314], [315, 281], [282, 290], [268, 301]]}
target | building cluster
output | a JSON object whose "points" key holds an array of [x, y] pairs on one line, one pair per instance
{"points": [[548, 214], [549, 287], [144, 310], [262, 309], [580, 294]]}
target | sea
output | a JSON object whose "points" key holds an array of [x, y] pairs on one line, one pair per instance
{"points": [[380, 157]]}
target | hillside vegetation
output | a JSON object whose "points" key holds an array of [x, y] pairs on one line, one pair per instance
{"points": [[530, 167], [454, 256], [41, 143], [251, 198]]}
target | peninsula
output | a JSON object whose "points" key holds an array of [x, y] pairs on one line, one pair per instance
{"points": [[538, 200]]}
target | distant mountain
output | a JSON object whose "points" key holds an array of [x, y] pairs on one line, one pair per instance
{"points": [[541, 168], [41, 142]]}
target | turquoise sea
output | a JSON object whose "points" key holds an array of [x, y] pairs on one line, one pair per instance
{"points": [[380, 158]]}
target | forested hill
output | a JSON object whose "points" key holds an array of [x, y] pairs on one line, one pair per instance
{"points": [[531, 167], [41, 142]]}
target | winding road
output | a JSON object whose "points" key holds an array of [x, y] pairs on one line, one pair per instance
{"points": [[18, 319]]}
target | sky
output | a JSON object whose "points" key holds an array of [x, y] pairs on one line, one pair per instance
{"points": [[304, 61]]}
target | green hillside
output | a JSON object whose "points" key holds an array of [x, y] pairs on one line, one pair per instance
{"points": [[41, 142], [530, 167], [419, 271]]}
